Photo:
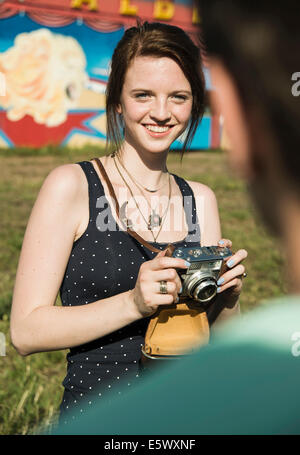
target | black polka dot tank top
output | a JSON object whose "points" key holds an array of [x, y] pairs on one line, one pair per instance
{"points": [[104, 263]]}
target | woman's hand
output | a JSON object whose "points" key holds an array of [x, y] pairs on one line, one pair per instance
{"points": [[146, 294], [230, 283]]}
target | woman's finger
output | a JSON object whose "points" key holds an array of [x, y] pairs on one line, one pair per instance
{"points": [[231, 274], [155, 297], [239, 256], [159, 263], [152, 302], [170, 288], [167, 275], [236, 283], [225, 243]]}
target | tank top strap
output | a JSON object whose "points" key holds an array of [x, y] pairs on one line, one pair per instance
{"points": [[96, 190], [189, 205]]}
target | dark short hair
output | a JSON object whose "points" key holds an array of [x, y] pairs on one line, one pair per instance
{"points": [[156, 40], [259, 45]]}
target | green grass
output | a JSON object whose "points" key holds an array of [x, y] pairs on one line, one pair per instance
{"points": [[30, 387]]}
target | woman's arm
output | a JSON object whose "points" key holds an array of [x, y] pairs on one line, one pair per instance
{"points": [[36, 323]]}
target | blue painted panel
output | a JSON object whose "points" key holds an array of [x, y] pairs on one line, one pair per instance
{"points": [[201, 139]]}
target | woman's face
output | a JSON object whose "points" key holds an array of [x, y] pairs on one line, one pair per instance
{"points": [[156, 103]]}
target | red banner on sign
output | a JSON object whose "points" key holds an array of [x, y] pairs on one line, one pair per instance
{"points": [[100, 12]]}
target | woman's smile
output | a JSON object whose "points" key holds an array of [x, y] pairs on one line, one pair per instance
{"points": [[157, 130]]}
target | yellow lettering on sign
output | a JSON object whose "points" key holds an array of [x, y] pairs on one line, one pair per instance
{"points": [[196, 18], [93, 4], [127, 9], [163, 9]]}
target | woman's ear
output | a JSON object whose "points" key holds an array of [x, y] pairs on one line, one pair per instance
{"points": [[226, 103], [119, 109]]}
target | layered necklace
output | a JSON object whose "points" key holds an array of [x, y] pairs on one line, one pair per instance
{"points": [[154, 220]]}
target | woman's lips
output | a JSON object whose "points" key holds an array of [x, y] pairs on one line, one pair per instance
{"points": [[158, 131]]}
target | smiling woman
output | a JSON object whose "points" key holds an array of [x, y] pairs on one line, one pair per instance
{"points": [[77, 240]]}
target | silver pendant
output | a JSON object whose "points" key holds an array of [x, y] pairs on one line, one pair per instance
{"points": [[154, 220]]}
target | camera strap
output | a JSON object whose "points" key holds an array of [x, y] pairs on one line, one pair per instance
{"points": [[170, 248]]}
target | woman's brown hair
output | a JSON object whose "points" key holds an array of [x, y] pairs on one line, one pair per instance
{"points": [[155, 40]]}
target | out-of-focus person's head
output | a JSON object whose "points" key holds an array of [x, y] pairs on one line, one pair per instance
{"points": [[254, 52], [154, 40]]}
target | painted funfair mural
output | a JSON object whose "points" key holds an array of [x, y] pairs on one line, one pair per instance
{"points": [[45, 75], [54, 69]]}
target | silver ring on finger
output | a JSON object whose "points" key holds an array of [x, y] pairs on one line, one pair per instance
{"points": [[244, 275], [163, 287]]}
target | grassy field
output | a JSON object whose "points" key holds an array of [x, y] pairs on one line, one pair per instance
{"points": [[30, 387]]}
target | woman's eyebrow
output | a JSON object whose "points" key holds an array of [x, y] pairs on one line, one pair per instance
{"points": [[188, 92], [140, 90]]}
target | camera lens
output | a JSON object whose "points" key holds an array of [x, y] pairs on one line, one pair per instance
{"points": [[205, 291]]}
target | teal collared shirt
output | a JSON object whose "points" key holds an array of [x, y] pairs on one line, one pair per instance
{"points": [[246, 381]]}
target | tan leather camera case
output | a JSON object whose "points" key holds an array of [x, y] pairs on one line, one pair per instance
{"points": [[175, 330]]}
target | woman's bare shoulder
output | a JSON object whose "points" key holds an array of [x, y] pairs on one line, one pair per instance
{"points": [[66, 179], [65, 189], [199, 189]]}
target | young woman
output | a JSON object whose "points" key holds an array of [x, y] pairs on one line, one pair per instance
{"points": [[75, 242]]}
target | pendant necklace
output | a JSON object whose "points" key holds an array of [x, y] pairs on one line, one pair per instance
{"points": [[155, 220], [133, 179]]}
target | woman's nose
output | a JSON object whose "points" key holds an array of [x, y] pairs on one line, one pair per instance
{"points": [[160, 111]]}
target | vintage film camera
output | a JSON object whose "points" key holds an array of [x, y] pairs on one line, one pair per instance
{"points": [[180, 328], [199, 281]]}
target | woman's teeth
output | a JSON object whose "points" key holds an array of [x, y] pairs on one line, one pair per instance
{"points": [[157, 129]]}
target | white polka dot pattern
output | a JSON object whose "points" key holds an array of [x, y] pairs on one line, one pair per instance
{"points": [[103, 264]]}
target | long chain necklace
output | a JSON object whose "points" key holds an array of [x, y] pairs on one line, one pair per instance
{"points": [[149, 224], [133, 179], [154, 219]]}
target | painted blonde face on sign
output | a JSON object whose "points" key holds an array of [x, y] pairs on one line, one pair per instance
{"points": [[45, 75]]}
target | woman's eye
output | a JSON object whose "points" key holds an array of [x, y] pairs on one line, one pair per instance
{"points": [[142, 96], [180, 97]]}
